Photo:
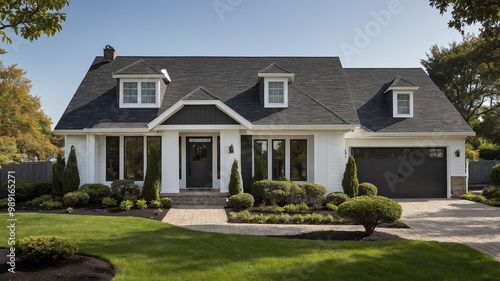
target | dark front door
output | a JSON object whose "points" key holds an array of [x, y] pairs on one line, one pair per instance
{"points": [[404, 172], [199, 162]]}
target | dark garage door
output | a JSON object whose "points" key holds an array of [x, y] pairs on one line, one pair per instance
{"points": [[403, 172]]}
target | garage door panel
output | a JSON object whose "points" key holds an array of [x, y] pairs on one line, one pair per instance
{"points": [[404, 172]]}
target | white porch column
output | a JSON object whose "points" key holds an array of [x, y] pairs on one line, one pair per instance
{"points": [[170, 162], [91, 159], [228, 138]]}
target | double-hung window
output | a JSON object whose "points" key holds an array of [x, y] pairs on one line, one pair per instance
{"points": [[275, 92], [403, 104], [139, 93]]}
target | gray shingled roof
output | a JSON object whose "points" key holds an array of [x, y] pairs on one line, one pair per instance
{"points": [[318, 96], [139, 67], [200, 94], [274, 68], [432, 110]]}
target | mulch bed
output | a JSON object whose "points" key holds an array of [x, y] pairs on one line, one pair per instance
{"points": [[343, 236], [97, 210], [74, 268], [323, 211]]}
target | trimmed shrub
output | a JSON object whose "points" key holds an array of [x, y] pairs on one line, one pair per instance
{"points": [[57, 171], [495, 175], [51, 204], [331, 207], [42, 188], [297, 193], [96, 191], [235, 181], [141, 204], [473, 197], [126, 205], [290, 208], [108, 202], [45, 249], [158, 211], [69, 210], [71, 176], [350, 180], [370, 211], [120, 188], [368, 189], [275, 192], [337, 198], [241, 201], [155, 204], [76, 198], [314, 192], [257, 190], [151, 188], [328, 219], [166, 202], [24, 190], [302, 207], [39, 200]]}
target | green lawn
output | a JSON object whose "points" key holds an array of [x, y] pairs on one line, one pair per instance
{"points": [[142, 249]]}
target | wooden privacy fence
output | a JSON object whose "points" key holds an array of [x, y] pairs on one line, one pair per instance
{"points": [[32, 171], [479, 171]]}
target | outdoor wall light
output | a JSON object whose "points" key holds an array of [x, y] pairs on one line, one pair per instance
{"points": [[231, 149], [457, 153]]}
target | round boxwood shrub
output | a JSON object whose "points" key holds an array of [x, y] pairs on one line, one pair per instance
{"points": [[24, 190], [314, 192], [367, 188], [75, 198], [337, 198], [276, 191], [166, 202], [495, 175], [96, 191], [241, 201], [120, 188], [370, 211], [45, 249], [297, 194]]}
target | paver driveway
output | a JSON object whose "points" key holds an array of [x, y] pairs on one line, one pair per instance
{"points": [[444, 220]]}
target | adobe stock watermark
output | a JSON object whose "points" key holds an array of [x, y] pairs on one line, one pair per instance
{"points": [[363, 36], [224, 6], [11, 221]]}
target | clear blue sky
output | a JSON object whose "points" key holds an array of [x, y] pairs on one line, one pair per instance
{"points": [[388, 33]]}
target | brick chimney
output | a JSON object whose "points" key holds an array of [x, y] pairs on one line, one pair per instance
{"points": [[109, 53]]}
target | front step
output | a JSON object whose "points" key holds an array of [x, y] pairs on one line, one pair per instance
{"points": [[198, 197]]}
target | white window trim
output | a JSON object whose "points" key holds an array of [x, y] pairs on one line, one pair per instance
{"points": [[267, 104], [139, 103], [395, 104]]}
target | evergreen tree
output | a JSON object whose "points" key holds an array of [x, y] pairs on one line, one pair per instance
{"points": [[350, 181], [235, 181], [151, 188], [57, 172], [71, 176]]}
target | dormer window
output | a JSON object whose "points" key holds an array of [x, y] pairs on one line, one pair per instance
{"points": [[403, 104], [144, 93], [275, 92]]}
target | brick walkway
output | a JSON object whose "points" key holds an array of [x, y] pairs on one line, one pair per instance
{"points": [[446, 220]]}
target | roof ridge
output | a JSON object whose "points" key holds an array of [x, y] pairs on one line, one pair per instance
{"points": [[318, 102], [133, 64], [275, 65]]}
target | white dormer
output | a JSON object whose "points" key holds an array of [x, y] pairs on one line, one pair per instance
{"points": [[275, 81], [400, 92], [140, 85]]}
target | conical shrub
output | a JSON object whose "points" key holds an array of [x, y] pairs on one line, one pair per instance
{"points": [[71, 176]]}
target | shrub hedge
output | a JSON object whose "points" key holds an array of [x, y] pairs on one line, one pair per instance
{"points": [[241, 201], [297, 193], [337, 198], [314, 192], [25, 190], [370, 211], [42, 188], [495, 175], [45, 249], [120, 188]]}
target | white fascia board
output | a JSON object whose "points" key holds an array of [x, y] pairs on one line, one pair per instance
{"points": [[137, 76], [180, 104], [198, 128], [401, 89], [116, 130], [69, 132], [304, 127], [290, 76], [356, 135], [165, 73]]}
